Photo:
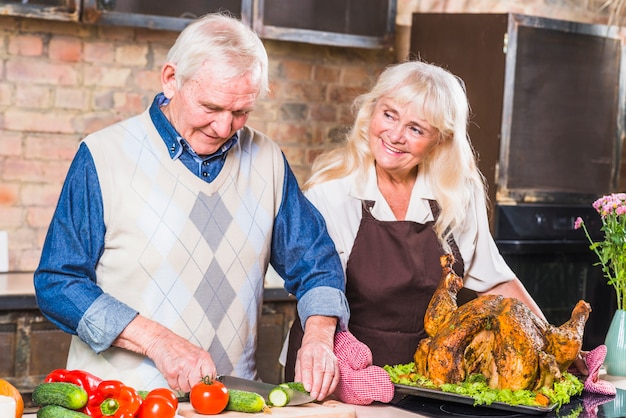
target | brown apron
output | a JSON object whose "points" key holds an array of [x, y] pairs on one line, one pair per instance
{"points": [[391, 275]]}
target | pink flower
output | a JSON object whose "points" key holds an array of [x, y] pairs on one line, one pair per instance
{"points": [[610, 251], [578, 223]]}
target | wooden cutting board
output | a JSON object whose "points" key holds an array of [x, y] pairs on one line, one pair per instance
{"points": [[327, 409]]}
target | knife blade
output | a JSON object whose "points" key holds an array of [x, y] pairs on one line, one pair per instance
{"points": [[263, 389]]}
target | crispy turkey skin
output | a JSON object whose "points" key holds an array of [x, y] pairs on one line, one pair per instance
{"points": [[498, 337]]}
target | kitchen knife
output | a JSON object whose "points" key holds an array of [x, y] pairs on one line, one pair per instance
{"points": [[263, 389]]}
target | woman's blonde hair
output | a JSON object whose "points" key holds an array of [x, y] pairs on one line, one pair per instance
{"points": [[451, 167]]}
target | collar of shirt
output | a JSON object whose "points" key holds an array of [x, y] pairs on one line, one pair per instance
{"points": [[419, 208], [205, 168]]}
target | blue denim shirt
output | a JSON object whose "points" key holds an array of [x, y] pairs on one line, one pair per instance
{"points": [[302, 252]]}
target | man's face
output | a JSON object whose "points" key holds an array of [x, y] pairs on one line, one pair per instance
{"points": [[209, 109]]}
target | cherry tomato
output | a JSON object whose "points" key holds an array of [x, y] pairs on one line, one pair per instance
{"points": [[208, 397], [159, 403]]}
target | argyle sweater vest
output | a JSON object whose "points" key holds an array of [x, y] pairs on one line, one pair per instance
{"points": [[188, 254]]}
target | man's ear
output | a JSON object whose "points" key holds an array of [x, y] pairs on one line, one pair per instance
{"points": [[168, 79]]}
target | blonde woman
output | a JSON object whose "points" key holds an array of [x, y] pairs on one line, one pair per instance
{"points": [[403, 189]]}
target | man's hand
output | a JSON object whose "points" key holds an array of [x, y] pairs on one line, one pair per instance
{"points": [[316, 364], [182, 363]]}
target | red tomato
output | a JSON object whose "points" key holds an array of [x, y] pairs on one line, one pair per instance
{"points": [[159, 403], [209, 397]]}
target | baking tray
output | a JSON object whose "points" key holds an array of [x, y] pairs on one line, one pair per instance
{"points": [[468, 400]]}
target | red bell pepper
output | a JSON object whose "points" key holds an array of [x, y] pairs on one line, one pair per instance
{"points": [[113, 399], [81, 378], [159, 403]]}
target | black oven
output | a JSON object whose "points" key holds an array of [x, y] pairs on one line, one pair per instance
{"points": [[554, 262]]}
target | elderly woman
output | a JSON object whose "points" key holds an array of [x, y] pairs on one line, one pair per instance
{"points": [[403, 189]]}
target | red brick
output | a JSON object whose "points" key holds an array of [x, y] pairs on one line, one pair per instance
{"points": [[50, 147], [63, 48], [159, 56], [99, 52], [358, 76], [41, 194], [292, 91], [148, 80], [129, 103], [290, 133], [326, 74], [296, 70], [12, 217], [25, 260], [24, 120], [29, 70], [22, 238], [70, 98], [132, 55], [8, 193], [323, 112], [11, 145], [101, 76], [6, 95], [32, 96], [344, 95], [26, 45], [265, 111], [35, 170], [96, 121], [39, 216]]}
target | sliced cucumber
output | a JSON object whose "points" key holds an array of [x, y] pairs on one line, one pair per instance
{"points": [[279, 396]]}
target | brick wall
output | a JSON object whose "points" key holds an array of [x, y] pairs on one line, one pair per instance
{"points": [[60, 81]]}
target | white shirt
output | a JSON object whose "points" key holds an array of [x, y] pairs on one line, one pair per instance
{"points": [[340, 202]]}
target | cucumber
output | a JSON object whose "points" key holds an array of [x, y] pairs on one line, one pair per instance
{"points": [[56, 411], [297, 386], [244, 401], [279, 396], [67, 395]]}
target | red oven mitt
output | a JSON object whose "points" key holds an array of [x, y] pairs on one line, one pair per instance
{"points": [[361, 383], [593, 384]]}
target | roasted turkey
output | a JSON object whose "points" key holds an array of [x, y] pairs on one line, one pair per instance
{"points": [[498, 337]]}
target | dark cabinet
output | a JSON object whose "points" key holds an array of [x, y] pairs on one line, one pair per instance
{"points": [[547, 100], [351, 23], [357, 23], [158, 14], [67, 10]]}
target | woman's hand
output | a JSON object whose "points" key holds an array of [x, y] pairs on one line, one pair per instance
{"points": [[580, 364]]}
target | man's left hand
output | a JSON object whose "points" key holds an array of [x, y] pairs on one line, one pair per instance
{"points": [[316, 365]]}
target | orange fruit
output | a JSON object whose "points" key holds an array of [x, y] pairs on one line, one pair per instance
{"points": [[7, 389]]}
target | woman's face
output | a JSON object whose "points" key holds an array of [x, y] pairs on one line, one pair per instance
{"points": [[399, 138]]}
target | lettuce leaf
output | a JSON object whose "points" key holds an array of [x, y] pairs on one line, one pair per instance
{"points": [[476, 386]]}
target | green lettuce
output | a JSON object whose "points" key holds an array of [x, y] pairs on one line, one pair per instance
{"points": [[476, 386]]}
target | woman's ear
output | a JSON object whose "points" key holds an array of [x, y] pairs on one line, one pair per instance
{"points": [[168, 80]]}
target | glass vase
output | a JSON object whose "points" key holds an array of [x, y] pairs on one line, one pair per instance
{"points": [[615, 361]]}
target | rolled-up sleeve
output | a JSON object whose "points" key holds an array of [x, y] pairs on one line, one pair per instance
{"points": [[65, 280], [304, 255], [484, 265]]}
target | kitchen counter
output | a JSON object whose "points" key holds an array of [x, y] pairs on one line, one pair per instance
{"points": [[375, 410], [17, 291]]}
